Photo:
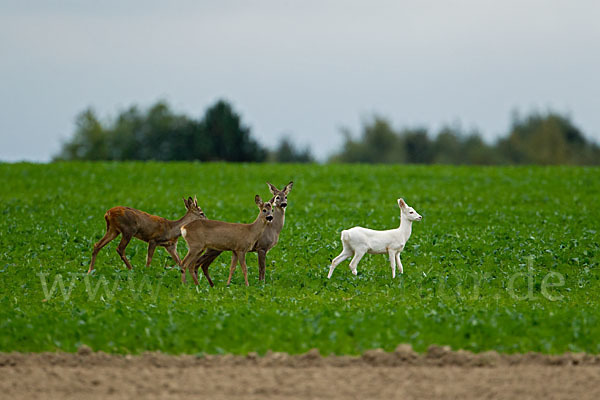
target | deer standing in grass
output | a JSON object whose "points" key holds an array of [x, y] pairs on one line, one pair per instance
{"points": [[224, 236], [357, 241], [157, 231], [266, 241]]}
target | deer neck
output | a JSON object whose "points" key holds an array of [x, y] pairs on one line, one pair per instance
{"points": [[278, 219], [176, 225], [405, 227], [258, 226]]}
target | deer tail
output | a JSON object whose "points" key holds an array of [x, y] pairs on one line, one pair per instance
{"points": [[107, 222], [344, 236]]}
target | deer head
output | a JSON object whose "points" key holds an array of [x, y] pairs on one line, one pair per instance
{"points": [[280, 196], [193, 208], [266, 209], [408, 212]]}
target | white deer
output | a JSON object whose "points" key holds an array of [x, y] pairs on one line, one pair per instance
{"points": [[357, 241]]}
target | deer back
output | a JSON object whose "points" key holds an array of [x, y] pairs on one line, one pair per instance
{"points": [[135, 222], [221, 235]]}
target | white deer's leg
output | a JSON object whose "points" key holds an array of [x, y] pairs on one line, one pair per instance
{"points": [[343, 255], [399, 263], [358, 254], [392, 256]]}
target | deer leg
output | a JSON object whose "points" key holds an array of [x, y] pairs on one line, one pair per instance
{"points": [[400, 269], [121, 249], [234, 260], [184, 264], [262, 266], [172, 250], [355, 260], [205, 271], [108, 236], [207, 258], [242, 258], [183, 273], [194, 264], [151, 247], [188, 262], [336, 261], [194, 272], [392, 256]]}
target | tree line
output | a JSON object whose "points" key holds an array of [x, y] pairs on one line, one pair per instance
{"points": [[160, 134], [545, 139]]}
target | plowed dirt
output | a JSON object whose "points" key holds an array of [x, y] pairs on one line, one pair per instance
{"points": [[403, 374]]}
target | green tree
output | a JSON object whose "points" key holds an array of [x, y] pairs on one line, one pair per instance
{"points": [[417, 146], [476, 151], [447, 147], [547, 139], [89, 142], [228, 139], [377, 144], [287, 152]]}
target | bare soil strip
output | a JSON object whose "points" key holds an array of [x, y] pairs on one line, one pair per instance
{"points": [[440, 373]]}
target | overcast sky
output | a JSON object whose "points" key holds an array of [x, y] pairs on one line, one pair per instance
{"points": [[302, 68]]}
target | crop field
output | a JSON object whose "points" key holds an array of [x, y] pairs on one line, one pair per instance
{"points": [[505, 259]]}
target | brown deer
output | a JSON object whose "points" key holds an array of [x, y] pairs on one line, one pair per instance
{"points": [[224, 236], [265, 242], [157, 231]]}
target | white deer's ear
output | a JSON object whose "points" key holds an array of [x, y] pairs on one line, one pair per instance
{"points": [[401, 203], [288, 187], [195, 201], [272, 188]]}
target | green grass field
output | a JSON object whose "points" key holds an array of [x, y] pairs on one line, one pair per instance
{"points": [[505, 259]]}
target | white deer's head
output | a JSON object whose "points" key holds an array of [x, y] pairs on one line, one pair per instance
{"points": [[408, 212]]}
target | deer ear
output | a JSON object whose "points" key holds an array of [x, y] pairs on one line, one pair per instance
{"points": [[272, 188], [258, 200], [401, 203], [288, 187], [195, 201], [185, 202]]}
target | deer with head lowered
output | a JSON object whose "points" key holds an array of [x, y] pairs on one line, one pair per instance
{"points": [[357, 241], [157, 231], [265, 242], [224, 236]]}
